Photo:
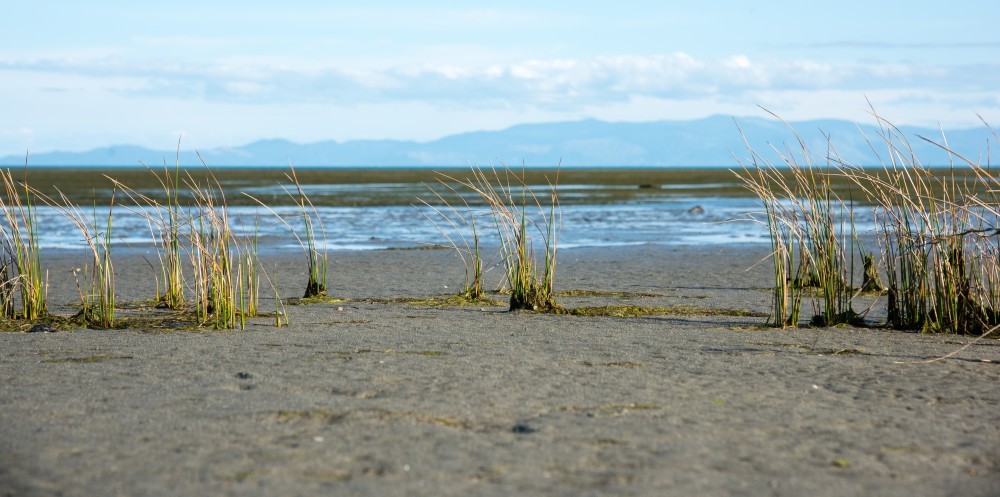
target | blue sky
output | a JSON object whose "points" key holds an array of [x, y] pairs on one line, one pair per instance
{"points": [[76, 76]]}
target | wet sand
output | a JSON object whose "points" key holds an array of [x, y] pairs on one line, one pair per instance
{"points": [[382, 186], [379, 397]]}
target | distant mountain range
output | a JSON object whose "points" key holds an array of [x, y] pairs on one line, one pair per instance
{"points": [[713, 141]]}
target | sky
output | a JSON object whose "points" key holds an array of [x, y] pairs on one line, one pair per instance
{"points": [[80, 75]]}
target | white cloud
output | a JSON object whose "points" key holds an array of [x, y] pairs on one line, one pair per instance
{"points": [[552, 82], [737, 62], [100, 98]]}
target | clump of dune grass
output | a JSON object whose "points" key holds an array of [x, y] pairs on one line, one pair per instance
{"points": [[453, 222], [226, 270], [938, 235], [313, 225], [212, 257], [812, 234], [528, 230], [22, 267], [313, 239]]}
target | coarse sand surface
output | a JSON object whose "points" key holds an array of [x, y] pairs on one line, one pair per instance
{"points": [[375, 395]]}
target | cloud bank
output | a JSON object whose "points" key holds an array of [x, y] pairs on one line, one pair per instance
{"points": [[552, 83]]}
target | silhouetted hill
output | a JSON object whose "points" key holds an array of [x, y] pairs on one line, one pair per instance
{"points": [[712, 141]]}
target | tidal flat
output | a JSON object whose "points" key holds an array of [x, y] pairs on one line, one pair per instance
{"points": [[388, 186], [376, 395]]}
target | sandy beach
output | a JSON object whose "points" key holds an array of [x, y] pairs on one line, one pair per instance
{"points": [[377, 396]]}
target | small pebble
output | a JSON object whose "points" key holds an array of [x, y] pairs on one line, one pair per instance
{"points": [[522, 428]]}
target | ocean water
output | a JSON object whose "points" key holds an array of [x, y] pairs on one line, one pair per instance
{"points": [[382, 209], [666, 221]]}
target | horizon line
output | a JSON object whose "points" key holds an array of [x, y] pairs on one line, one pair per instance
{"points": [[94, 148]]}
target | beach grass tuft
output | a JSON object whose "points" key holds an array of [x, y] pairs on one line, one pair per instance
{"points": [[315, 240], [23, 274], [937, 235], [528, 230], [225, 268], [224, 265]]}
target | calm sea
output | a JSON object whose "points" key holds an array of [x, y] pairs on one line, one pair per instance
{"points": [[373, 210]]}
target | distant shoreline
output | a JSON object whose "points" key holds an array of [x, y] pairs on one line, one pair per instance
{"points": [[714, 140]]}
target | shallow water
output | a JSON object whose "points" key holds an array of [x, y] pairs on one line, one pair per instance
{"points": [[681, 220], [380, 209]]}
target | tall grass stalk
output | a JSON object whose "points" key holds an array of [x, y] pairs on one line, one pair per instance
{"points": [[170, 252], [280, 316], [450, 220], [168, 224], [249, 272], [97, 292], [20, 226]]}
